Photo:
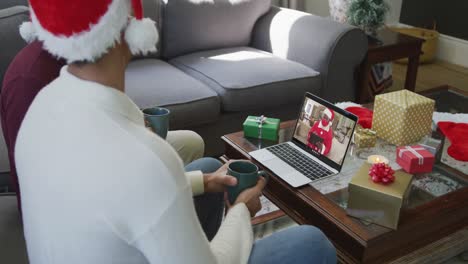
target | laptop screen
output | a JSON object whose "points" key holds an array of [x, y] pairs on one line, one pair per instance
{"points": [[324, 130]]}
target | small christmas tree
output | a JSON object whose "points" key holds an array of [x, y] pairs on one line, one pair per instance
{"points": [[369, 15]]}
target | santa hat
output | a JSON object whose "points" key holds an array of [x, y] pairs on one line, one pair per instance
{"points": [[84, 30], [329, 113]]}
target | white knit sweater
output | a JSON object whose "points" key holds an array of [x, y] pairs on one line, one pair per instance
{"points": [[98, 187]]}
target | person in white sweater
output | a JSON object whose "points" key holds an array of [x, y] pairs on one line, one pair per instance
{"points": [[98, 187]]}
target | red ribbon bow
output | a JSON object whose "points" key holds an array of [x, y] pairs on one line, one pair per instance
{"points": [[382, 173]]}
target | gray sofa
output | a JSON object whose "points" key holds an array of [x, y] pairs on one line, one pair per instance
{"points": [[220, 62], [217, 63]]}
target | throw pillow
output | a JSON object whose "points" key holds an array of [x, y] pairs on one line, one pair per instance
{"points": [[196, 25]]}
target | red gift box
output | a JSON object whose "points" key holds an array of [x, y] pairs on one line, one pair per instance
{"points": [[415, 159]]}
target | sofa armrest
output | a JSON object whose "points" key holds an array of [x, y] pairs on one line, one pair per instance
{"points": [[11, 42], [331, 48]]}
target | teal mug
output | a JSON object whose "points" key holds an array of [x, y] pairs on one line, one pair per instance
{"points": [[246, 174], [158, 119]]}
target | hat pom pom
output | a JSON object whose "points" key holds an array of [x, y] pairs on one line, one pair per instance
{"points": [[27, 32], [142, 36]]}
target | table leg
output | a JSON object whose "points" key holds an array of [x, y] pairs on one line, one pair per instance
{"points": [[412, 72], [365, 93]]}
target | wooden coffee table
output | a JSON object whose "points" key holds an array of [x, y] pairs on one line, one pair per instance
{"points": [[425, 222], [448, 99]]}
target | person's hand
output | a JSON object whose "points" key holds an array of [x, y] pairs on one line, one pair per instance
{"points": [[148, 126], [320, 146], [218, 180], [251, 197]]}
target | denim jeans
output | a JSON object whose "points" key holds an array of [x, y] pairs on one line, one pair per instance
{"points": [[300, 244], [209, 206]]}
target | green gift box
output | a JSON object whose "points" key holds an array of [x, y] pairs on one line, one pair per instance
{"points": [[261, 127]]}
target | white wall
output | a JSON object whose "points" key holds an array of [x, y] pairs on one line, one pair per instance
{"points": [[318, 7], [321, 8], [453, 50], [450, 49], [294, 4], [395, 11]]}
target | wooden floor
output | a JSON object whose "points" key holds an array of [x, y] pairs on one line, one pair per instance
{"points": [[432, 75]]}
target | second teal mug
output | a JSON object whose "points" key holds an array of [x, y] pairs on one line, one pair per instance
{"points": [[158, 120], [246, 174]]}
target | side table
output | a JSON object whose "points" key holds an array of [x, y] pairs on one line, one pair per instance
{"points": [[393, 46]]}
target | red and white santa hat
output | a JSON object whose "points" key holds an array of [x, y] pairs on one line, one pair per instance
{"points": [[84, 30], [329, 113]]}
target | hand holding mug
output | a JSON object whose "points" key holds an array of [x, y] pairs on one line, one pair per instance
{"points": [[249, 184], [251, 197], [219, 180], [157, 118]]}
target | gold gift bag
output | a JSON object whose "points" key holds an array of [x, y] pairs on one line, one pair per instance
{"points": [[402, 117], [364, 138]]}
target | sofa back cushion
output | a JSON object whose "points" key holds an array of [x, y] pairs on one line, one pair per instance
{"points": [[11, 42], [151, 9], [196, 25]]}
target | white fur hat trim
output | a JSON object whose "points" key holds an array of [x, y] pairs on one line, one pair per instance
{"points": [[141, 36], [27, 32]]}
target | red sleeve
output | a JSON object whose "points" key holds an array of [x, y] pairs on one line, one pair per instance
{"points": [[327, 141]]}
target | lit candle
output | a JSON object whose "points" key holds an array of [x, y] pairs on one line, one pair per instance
{"points": [[372, 159]]}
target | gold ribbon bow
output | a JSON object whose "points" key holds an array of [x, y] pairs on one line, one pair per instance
{"points": [[366, 131], [260, 120]]}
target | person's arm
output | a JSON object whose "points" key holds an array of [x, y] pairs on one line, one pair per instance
{"points": [[235, 233], [176, 236], [211, 182], [312, 131], [196, 180], [327, 143], [323, 148], [159, 219], [308, 137]]}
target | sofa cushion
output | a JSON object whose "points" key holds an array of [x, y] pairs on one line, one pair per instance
{"points": [[153, 82], [11, 42], [190, 25], [250, 79], [11, 3], [12, 244]]}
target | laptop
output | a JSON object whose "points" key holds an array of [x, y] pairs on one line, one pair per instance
{"points": [[314, 152]]}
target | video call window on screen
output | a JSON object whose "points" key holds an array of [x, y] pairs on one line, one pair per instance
{"points": [[324, 131]]}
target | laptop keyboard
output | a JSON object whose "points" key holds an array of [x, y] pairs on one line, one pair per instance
{"points": [[305, 165]]}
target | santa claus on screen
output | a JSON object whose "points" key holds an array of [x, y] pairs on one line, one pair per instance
{"points": [[322, 140]]}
